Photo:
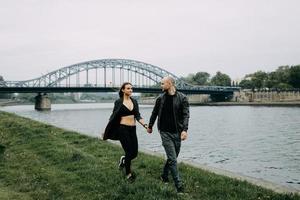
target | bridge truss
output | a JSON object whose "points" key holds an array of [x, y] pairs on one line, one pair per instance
{"points": [[108, 73]]}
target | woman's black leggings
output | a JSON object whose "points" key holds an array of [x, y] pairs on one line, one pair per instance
{"points": [[129, 143]]}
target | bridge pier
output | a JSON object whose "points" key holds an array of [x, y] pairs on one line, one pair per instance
{"points": [[42, 102]]}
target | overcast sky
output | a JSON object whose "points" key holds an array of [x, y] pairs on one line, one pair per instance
{"points": [[235, 37]]}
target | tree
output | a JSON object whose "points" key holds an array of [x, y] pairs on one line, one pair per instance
{"points": [[201, 78], [188, 79], [3, 96], [233, 84], [284, 86], [283, 74], [259, 79], [295, 76], [246, 84], [272, 80], [221, 79]]}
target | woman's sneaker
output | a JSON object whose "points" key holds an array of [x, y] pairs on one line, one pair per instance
{"points": [[122, 162], [130, 178]]}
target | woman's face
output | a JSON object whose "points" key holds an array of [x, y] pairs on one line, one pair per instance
{"points": [[127, 90]]}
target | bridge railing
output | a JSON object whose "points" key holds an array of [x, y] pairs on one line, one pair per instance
{"points": [[17, 84]]}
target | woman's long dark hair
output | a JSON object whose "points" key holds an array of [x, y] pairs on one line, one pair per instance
{"points": [[121, 93]]}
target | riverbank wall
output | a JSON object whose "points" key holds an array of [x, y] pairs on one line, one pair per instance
{"points": [[267, 96]]}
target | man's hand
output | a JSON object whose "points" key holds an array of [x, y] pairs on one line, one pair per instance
{"points": [[183, 135], [149, 130]]}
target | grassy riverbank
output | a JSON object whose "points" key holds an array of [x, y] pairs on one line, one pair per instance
{"points": [[39, 161]]}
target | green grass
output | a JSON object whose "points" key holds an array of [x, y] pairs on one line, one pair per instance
{"points": [[39, 161]]}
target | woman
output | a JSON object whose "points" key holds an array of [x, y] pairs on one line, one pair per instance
{"points": [[121, 126]]}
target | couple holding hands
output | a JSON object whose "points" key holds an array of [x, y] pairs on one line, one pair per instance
{"points": [[172, 110]]}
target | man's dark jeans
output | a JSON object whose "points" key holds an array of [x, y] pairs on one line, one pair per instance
{"points": [[171, 143]]}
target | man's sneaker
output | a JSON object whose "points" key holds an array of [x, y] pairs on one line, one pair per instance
{"points": [[122, 162], [165, 180], [180, 190]]}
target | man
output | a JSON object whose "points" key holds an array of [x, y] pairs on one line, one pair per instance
{"points": [[172, 110]]}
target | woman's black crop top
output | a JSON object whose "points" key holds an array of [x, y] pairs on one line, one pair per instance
{"points": [[124, 111]]}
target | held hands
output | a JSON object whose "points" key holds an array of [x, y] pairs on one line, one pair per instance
{"points": [[183, 135], [149, 130], [145, 126], [141, 121]]}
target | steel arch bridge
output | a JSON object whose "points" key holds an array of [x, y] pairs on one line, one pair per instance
{"points": [[105, 75]]}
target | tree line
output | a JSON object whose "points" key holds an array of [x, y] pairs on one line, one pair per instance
{"points": [[284, 77], [203, 78]]}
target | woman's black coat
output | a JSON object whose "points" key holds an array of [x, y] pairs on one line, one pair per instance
{"points": [[111, 130]]}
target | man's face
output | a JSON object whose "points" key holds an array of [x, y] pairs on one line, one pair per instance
{"points": [[165, 84]]}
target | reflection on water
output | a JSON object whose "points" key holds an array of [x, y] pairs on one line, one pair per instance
{"points": [[262, 142]]}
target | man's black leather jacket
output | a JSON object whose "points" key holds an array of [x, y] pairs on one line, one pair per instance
{"points": [[180, 108]]}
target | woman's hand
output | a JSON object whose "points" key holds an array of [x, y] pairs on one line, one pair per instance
{"points": [[142, 122], [145, 126]]}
